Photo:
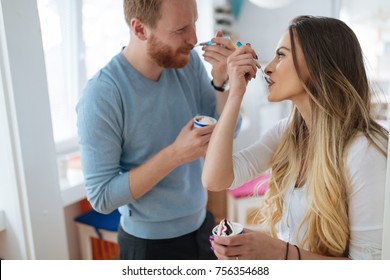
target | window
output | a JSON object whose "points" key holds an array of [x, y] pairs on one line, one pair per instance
{"points": [[79, 37], [371, 24]]}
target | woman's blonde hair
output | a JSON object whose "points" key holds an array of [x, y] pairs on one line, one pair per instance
{"points": [[340, 99]]}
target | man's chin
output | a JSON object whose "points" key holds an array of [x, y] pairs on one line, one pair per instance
{"points": [[185, 61], [179, 60], [179, 63]]}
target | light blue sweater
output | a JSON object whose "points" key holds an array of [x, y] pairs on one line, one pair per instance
{"points": [[125, 119]]}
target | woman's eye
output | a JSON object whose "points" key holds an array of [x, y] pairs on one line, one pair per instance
{"points": [[280, 54]]}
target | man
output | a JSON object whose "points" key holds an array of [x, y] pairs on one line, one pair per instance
{"points": [[140, 152]]}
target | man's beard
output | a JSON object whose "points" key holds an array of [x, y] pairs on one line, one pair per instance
{"points": [[165, 56]]}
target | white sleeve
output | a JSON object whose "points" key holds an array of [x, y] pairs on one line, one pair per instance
{"points": [[367, 171], [256, 159]]}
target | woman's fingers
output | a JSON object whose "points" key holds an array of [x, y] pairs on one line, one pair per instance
{"points": [[244, 53], [225, 42], [242, 65], [227, 252]]}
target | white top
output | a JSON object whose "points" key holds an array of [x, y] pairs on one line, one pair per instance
{"points": [[366, 168]]}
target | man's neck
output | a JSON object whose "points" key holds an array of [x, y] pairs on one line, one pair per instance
{"points": [[135, 53]]}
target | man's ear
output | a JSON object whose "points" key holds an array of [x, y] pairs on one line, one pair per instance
{"points": [[139, 29]]}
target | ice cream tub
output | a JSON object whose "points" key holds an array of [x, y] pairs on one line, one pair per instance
{"points": [[202, 121], [227, 228]]}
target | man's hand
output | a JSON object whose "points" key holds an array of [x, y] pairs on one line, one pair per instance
{"points": [[191, 143], [217, 55]]}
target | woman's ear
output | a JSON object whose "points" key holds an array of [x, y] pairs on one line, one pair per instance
{"points": [[139, 29]]}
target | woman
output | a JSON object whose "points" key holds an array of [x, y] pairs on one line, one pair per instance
{"points": [[328, 159]]}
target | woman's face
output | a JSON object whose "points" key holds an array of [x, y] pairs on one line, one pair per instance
{"points": [[285, 82]]}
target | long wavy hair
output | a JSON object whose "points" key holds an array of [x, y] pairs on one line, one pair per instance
{"points": [[340, 100]]}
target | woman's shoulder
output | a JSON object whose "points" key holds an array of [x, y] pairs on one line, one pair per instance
{"points": [[361, 145], [278, 128], [364, 155], [272, 136]]}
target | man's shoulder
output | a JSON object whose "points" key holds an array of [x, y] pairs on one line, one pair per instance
{"points": [[113, 66], [108, 75]]}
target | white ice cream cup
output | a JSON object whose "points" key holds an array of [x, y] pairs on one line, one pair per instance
{"points": [[202, 121], [237, 229]]}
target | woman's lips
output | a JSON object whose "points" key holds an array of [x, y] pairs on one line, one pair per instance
{"points": [[270, 82]]}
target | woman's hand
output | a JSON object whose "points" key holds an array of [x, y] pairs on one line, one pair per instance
{"points": [[241, 69], [250, 245]]}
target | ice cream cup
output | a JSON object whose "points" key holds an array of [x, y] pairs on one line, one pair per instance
{"points": [[237, 229], [202, 121]]}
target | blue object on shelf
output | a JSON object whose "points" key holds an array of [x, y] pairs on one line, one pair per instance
{"points": [[236, 6], [97, 220]]}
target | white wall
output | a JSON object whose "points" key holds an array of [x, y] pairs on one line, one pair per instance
{"points": [[263, 27], [9, 200], [205, 25], [386, 219], [30, 192]]}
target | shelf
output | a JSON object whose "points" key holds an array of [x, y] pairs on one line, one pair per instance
{"points": [[72, 193], [72, 187], [71, 179]]}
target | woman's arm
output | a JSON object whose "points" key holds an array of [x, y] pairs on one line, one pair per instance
{"points": [[218, 167]]}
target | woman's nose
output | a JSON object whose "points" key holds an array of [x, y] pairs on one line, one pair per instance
{"points": [[267, 69]]}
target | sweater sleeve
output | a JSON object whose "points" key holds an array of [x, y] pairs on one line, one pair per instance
{"points": [[256, 159], [100, 127], [367, 171]]}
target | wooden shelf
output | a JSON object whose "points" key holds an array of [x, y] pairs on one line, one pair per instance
{"points": [[217, 204]]}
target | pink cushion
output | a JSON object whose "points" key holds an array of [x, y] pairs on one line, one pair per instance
{"points": [[257, 186]]}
